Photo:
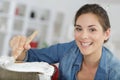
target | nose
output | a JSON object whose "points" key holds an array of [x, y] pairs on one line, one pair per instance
{"points": [[84, 34]]}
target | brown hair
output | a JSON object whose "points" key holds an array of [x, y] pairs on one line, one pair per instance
{"points": [[98, 11]]}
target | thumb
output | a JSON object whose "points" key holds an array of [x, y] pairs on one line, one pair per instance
{"points": [[27, 46]]}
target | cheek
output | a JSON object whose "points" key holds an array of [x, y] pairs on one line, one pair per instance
{"points": [[76, 36], [99, 38]]}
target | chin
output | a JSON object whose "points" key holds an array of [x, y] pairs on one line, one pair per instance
{"points": [[85, 53]]}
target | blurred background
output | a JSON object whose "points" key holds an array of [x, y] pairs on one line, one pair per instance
{"points": [[53, 19]]}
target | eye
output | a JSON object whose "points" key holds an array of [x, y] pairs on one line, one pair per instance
{"points": [[92, 29], [78, 29]]}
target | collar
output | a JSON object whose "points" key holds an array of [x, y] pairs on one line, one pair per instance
{"points": [[102, 70], [79, 58]]}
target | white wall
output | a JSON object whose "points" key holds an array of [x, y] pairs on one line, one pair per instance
{"points": [[114, 14]]}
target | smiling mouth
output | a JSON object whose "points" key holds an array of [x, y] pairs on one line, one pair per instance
{"points": [[86, 44]]}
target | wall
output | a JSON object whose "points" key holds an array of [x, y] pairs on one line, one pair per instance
{"points": [[69, 7]]}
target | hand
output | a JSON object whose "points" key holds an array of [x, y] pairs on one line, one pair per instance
{"points": [[20, 44]]}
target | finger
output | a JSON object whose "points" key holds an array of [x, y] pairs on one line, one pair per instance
{"points": [[27, 46], [16, 49], [14, 42], [16, 53], [22, 42], [31, 37]]}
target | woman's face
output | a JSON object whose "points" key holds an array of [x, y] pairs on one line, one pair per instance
{"points": [[89, 34]]}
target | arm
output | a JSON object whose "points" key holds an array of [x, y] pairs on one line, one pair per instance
{"points": [[52, 54]]}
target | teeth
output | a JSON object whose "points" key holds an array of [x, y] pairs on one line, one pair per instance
{"points": [[85, 44]]}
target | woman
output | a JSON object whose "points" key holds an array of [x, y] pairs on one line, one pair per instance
{"points": [[85, 58]]}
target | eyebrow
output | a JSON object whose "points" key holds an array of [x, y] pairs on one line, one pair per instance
{"points": [[81, 26], [77, 25], [91, 25]]}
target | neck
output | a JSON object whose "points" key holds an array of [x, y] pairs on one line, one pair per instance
{"points": [[92, 60]]}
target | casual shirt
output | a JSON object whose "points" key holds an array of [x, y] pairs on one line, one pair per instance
{"points": [[69, 57]]}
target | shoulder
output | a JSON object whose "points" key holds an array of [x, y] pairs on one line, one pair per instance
{"points": [[113, 64], [112, 60], [114, 70]]}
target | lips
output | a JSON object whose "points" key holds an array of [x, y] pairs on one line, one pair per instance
{"points": [[86, 44]]}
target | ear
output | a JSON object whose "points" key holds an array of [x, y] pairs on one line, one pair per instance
{"points": [[107, 34]]}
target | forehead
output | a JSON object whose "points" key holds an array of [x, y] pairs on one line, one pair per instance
{"points": [[88, 17]]}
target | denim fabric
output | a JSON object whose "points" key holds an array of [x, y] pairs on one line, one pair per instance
{"points": [[69, 58]]}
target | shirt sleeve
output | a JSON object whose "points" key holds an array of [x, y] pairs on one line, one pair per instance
{"points": [[52, 54]]}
